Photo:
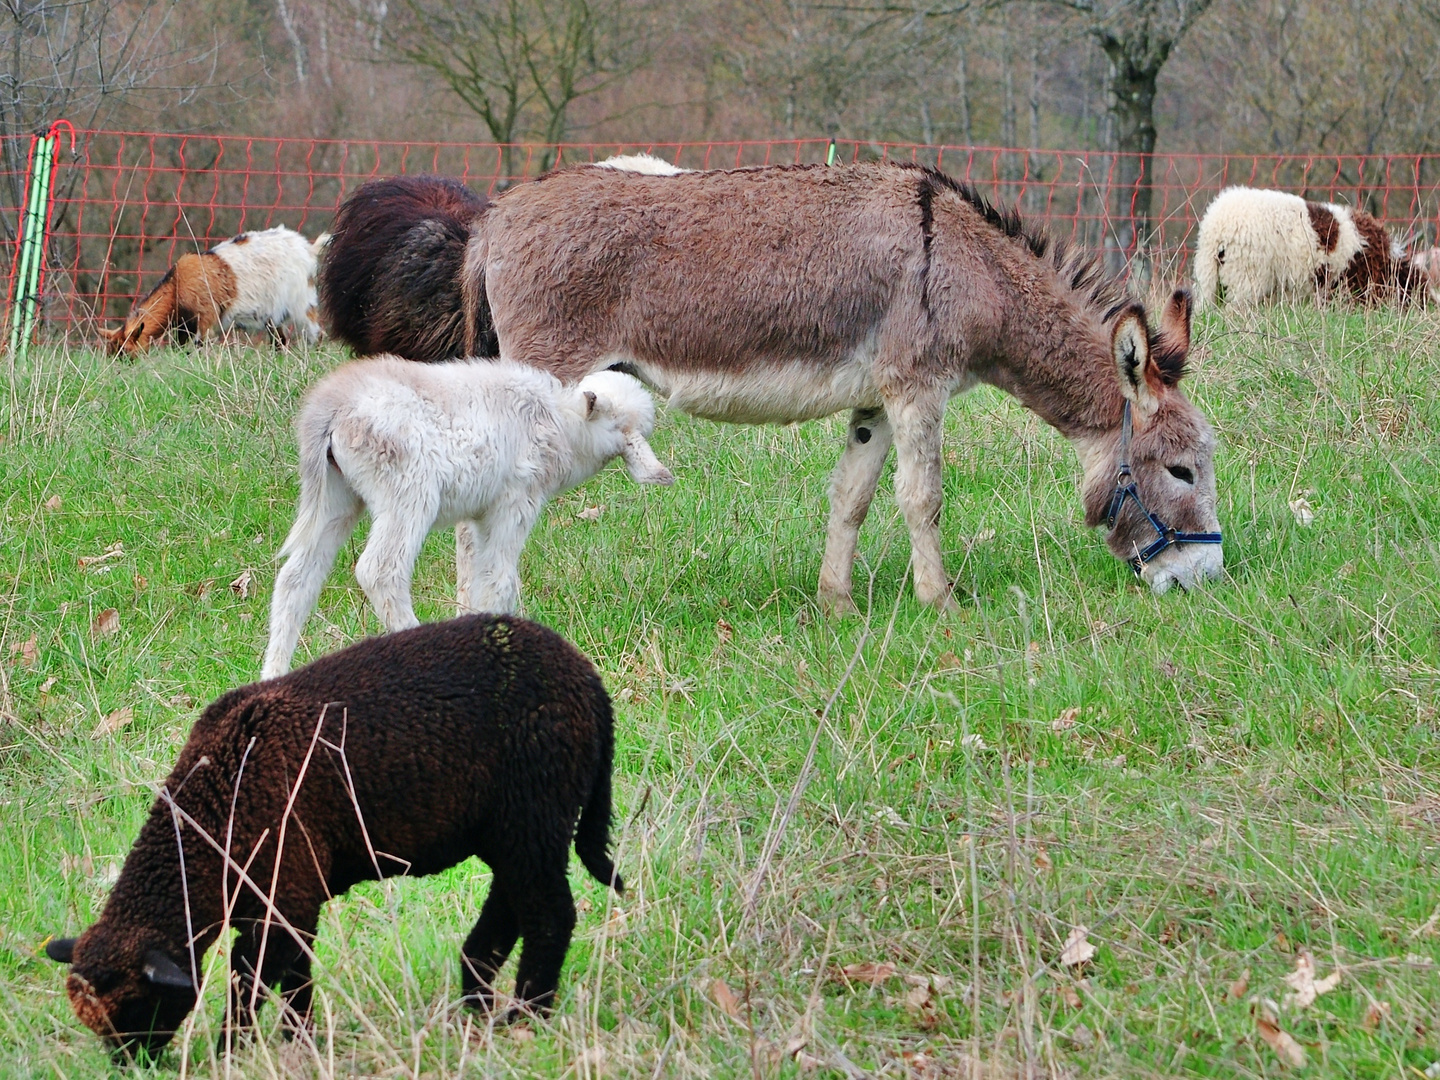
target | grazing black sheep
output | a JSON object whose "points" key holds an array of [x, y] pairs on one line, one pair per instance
{"points": [[390, 279], [405, 754]]}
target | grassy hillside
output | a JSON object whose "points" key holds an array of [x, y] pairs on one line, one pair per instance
{"points": [[1214, 784]]}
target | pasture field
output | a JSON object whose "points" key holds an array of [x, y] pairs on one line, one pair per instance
{"points": [[855, 847]]}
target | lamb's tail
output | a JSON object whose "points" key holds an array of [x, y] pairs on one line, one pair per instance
{"points": [[321, 486], [592, 835]]}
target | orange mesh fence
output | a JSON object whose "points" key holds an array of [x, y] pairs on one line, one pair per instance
{"points": [[128, 204]]}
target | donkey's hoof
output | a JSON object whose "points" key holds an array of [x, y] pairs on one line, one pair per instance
{"points": [[838, 605]]}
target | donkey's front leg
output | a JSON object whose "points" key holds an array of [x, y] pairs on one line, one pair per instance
{"points": [[919, 491], [852, 487]]}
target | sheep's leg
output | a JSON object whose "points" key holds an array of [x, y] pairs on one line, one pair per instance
{"points": [[494, 556], [298, 585], [918, 490], [470, 540], [387, 564], [852, 487], [284, 966], [547, 919], [487, 948]]}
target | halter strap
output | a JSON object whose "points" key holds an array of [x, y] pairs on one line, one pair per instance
{"points": [[1165, 537]]}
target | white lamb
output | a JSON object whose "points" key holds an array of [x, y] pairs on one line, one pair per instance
{"points": [[646, 164], [481, 442]]}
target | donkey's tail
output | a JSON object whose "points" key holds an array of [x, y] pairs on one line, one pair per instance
{"points": [[592, 835]]}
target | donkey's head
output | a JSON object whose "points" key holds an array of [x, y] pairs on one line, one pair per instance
{"points": [[1151, 482]]}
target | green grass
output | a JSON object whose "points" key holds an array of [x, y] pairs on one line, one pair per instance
{"points": [[1252, 770]]}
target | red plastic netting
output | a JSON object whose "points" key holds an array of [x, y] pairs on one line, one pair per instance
{"points": [[127, 204]]}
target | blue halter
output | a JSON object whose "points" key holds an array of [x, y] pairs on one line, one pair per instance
{"points": [[1165, 537]]}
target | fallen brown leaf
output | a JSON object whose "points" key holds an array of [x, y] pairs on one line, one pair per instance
{"points": [[1170, 933], [1080, 1037], [1066, 720], [140, 582], [921, 1002], [808, 1062], [1278, 1039], [48, 685], [1042, 860], [725, 998], [53, 503], [1307, 988], [724, 631], [202, 590], [118, 719], [522, 1033], [591, 513], [106, 623], [867, 972], [26, 652], [948, 660], [1377, 1014], [1070, 996], [1077, 949], [241, 585], [1240, 987]]}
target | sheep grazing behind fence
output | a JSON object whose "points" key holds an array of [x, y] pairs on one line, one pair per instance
{"points": [[407, 754], [1257, 245], [256, 281], [390, 281], [485, 442]]}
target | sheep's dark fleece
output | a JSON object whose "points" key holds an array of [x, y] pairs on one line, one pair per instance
{"points": [[390, 278], [487, 735]]}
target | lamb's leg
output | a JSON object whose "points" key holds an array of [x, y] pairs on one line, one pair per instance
{"points": [[387, 564], [852, 487], [547, 919], [470, 540], [919, 491], [487, 948], [298, 585], [284, 966], [494, 557]]}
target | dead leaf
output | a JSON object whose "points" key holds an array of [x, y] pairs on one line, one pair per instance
{"points": [[26, 652], [1240, 986], [241, 585], [140, 582], [114, 551], [106, 623], [1066, 720], [522, 1033], [724, 631], [725, 998], [1303, 511], [1307, 988], [1282, 942], [807, 1062], [867, 972], [947, 661], [118, 719], [53, 503], [202, 590], [1077, 949], [1281, 1041], [921, 1002], [1377, 1014], [1080, 1037], [48, 685], [591, 513], [1042, 860], [1070, 996], [583, 906], [1170, 933]]}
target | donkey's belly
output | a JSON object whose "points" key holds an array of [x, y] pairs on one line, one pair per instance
{"points": [[765, 392]]}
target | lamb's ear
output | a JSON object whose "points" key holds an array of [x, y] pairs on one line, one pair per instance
{"points": [[160, 970], [1130, 344], [589, 404], [61, 950]]}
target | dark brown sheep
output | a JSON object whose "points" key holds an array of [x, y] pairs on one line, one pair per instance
{"points": [[404, 754], [390, 280]]}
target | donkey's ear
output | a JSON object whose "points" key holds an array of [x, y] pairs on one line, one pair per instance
{"points": [[589, 404], [61, 950], [1173, 346], [1130, 344]]}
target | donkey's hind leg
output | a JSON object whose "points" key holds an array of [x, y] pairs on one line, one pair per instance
{"points": [[919, 491], [852, 487]]}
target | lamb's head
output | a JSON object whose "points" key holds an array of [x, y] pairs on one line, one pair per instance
{"points": [[125, 987], [619, 417], [128, 338], [1164, 477]]}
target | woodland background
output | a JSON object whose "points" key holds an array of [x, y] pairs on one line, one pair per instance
{"points": [[1352, 76]]}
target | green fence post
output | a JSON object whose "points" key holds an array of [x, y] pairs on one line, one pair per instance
{"points": [[30, 255]]}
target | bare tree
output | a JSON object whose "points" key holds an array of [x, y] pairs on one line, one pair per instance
{"points": [[521, 64]]}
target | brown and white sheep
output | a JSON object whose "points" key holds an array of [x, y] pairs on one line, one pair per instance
{"points": [[1257, 245], [256, 281], [488, 736]]}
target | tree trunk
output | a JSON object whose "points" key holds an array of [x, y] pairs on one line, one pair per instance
{"points": [[1132, 109]]}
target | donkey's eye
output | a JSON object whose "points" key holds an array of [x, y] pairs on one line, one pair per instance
{"points": [[1181, 473]]}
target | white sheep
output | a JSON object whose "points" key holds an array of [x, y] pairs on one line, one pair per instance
{"points": [[257, 281], [1257, 245], [485, 443], [645, 164]]}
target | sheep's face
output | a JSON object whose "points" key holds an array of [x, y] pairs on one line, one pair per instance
{"points": [[127, 991], [622, 416], [127, 339]]}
